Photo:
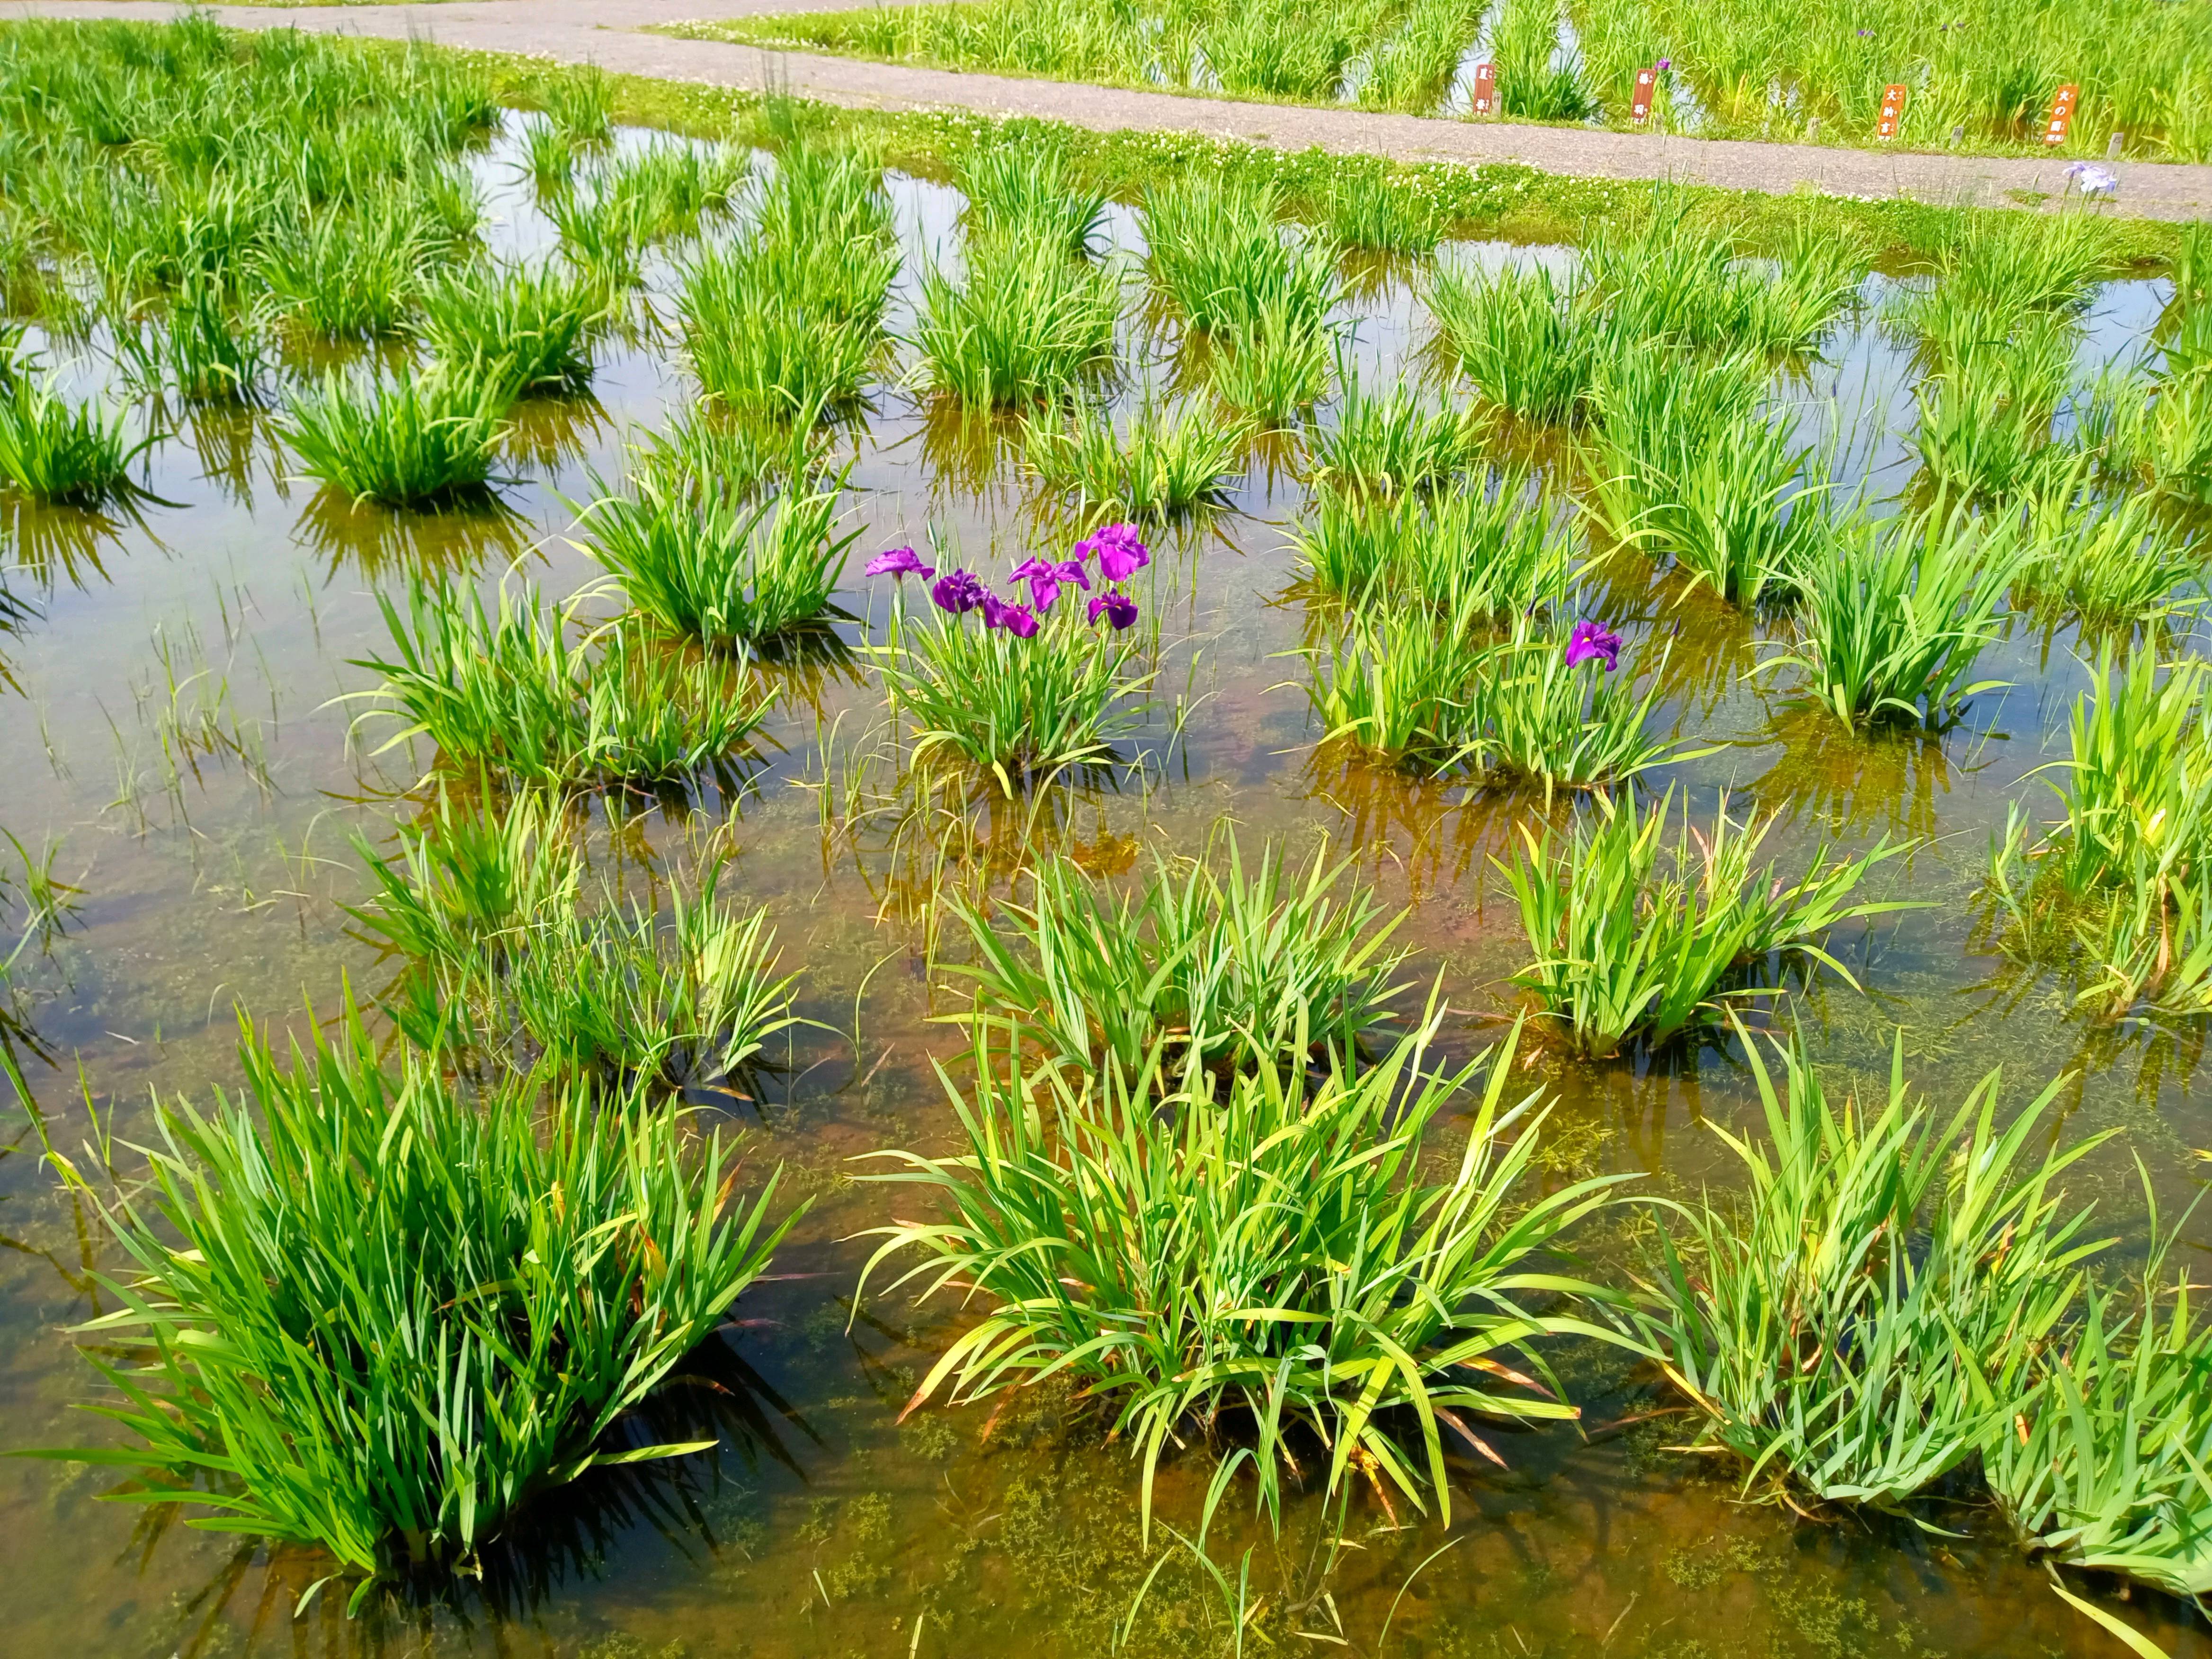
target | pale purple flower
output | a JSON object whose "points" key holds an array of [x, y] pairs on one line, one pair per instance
{"points": [[1593, 643], [1121, 553], [1044, 579], [1118, 608], [2091, 179], [900, 562], [957, 591]]}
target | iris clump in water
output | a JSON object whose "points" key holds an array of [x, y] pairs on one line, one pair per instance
{"points": [[372, 1332]]}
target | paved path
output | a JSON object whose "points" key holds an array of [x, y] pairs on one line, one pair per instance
{"points": [[604, 32]]}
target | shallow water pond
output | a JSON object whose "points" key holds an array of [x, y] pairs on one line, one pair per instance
{"points": [[184, 716]]}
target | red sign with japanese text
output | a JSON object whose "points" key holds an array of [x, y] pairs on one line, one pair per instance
{"points": [[2062, 114], [1640, 106], [1485, 88], [1892, 110]]}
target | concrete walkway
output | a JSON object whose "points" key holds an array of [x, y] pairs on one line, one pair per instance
{"points": [[604, 32]]}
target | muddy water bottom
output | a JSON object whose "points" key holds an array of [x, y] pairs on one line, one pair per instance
{"points": [[216, 876]]}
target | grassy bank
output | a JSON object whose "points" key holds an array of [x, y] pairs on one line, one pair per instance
{"points": [[1983, 81], [1431, 201]]}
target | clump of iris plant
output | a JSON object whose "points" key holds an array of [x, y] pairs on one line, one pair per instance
{"points": [[1546, 723], [1040, 684]]}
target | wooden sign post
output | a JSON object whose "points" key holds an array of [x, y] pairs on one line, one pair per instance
{"points": [[1892, 110], [2062, 114], [1485, 88], [1639, 106]]}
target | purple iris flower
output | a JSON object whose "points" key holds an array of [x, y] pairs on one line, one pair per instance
{"points": [[2091, 179], [1666, 62], [1041, 577], [957, 591], [1017, 619], [1121, 553], [1118, 608], [1044, 579], [900, 562], [1593, 643]]}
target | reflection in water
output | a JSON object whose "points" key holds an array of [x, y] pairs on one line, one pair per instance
{"points": [[17, 611], [465, 538], [1615, 582], [2162, 1056], [1372, 276], [548, 435], [55, 544], [1855, 784], [2059, 636], [2035, 974], [712, 793], [917, 834], [1710, 650], [312, 354], [969, 452], [805, 668], [231, 444], [1440, 834]]}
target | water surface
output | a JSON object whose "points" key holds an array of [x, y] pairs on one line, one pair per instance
{"points": [[209, 825]]}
